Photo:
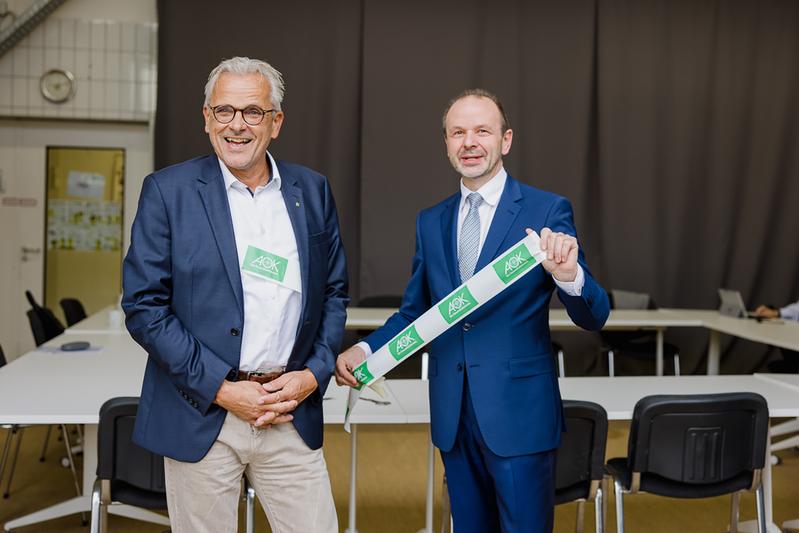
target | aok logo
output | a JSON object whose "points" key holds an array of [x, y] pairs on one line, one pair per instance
{"points": [[362, 374], [405, 343], [457, 305], [267, 264], [514, 263]]}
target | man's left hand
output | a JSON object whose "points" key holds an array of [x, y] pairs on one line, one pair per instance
{"points": [[297, 385], [562, 252]]}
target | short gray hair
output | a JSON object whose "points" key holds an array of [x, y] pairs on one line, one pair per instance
{"points": [[243, 66], [479, 93]]}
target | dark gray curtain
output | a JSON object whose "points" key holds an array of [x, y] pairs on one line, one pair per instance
{"points": [[671, 125]]}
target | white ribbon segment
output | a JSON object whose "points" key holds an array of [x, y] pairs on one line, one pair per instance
{"points": [[495, 277]]}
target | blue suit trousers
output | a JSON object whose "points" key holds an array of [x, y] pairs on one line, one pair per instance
{"points": [[490, 493]]}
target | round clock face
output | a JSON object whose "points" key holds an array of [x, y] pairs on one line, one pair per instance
{"points": [[57, 85]]}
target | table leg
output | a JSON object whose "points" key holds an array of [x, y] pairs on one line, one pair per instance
{"points": [[428, 507], [351, 528], [750, 526], [659, 353], [713, 353]]}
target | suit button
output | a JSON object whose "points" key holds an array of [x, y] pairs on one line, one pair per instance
{"points": [[467, 326], [235, 332], [460, 367]]}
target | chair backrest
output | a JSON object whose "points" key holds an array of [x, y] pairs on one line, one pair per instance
{"points": [[630, 300], [45, 325], [581, 456], [73, 310], [698, 438], [118, 458]]}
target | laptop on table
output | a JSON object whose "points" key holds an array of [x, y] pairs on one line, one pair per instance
{"points": [[732, 304]]}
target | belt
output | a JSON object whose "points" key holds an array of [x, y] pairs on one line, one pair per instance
{"points": [[258, 377]]}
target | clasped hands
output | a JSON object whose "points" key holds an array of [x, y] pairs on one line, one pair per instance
{"points": [[270, 403]]}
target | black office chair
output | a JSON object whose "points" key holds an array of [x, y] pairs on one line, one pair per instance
{"points": [[580, 465], [695, 446], [411, 368], [73, 310], [641, 344], [44, 324], [126, 473]]}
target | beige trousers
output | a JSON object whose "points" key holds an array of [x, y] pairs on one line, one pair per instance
{"points": [[289, 478]]}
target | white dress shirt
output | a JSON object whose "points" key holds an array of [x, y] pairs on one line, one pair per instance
{"points": [[271, 311], [491, 192], [791, 312]]}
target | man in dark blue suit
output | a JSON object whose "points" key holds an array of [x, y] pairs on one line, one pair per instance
{"points": [[235, 284], [495, 405]]}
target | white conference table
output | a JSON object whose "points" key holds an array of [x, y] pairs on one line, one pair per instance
{"points": [[117, 369], [49, 386]]}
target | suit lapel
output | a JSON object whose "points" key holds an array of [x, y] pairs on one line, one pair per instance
{"points": [[212, 191], [295, 205], [506, 213], [449, 218]]}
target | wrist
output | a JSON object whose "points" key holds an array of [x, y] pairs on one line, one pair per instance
{"points": [[223, 393]]}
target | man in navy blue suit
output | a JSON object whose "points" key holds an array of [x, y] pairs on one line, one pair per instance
{"points": [[235, 284], [495, 405]]}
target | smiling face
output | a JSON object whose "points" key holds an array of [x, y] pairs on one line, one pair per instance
{"points": [[475, 140], [239, 145]]}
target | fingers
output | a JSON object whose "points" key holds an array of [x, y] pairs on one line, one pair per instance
{"points": [[278, 383], [346, 363], [272, 418], [559, 247]]}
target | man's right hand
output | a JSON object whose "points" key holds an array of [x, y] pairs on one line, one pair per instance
{"points": [[241, 398], [767, 312], [346, 363]]}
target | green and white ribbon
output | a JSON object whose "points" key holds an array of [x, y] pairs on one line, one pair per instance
{"points": [[494, 278]]}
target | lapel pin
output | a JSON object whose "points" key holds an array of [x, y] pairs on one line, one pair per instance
{"points": [[297, 204]]}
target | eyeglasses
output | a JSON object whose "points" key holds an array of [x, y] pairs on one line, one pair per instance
{"points": [[252, 115]]}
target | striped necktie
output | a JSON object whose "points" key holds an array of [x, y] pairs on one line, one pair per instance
{"points": [[470, 238]]}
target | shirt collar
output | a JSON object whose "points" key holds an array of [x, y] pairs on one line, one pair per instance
{"points": [[490, 191], [232, 181]]}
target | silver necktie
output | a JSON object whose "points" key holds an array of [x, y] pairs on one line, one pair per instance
{"points": [[470, 238]]}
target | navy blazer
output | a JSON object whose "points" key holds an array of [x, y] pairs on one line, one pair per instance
{"points": [[183, 301], [504, 345]]}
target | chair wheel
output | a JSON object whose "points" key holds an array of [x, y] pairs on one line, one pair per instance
{"points": [[775, 460], [65, 462], [84, 522]]}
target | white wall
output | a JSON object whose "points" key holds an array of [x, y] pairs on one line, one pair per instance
{"points": [[23, 144], [129, 11]]}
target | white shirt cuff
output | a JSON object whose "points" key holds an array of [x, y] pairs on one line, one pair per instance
{"points": [[573, 288], [366, 348]]}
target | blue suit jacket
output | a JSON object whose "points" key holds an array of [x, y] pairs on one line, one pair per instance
{"points": [[183, 301], [505, 344]]}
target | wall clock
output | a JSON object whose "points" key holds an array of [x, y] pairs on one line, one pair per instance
{"points": [[57, 85]]}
